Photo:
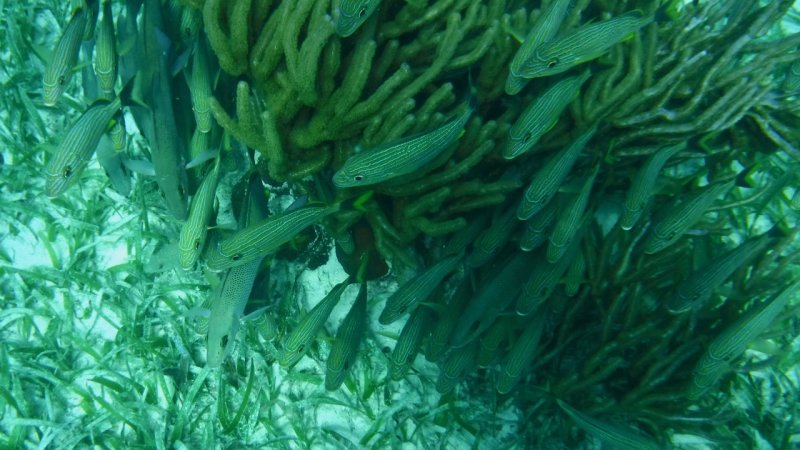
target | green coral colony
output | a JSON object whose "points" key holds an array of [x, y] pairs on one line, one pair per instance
{"points": [[591, 205]]}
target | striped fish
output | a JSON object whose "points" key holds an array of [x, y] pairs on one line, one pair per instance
{"points": [[298, 341], [643, 185], [350, 14], [544, 30], [200, 86], [60, 67], [80, 142], [265, 237], [733, 341], [417, 289], [584, 44], [456, 366], [409, 342], [194, 231], [543, 279], [569, 221], [492, 240], [447, 322], [549, 178], [348, 340], [538, 228], [492, 339], [521, 355], [105, 51], [541, 115], [402, 157], [680, 218], [614, 436]]}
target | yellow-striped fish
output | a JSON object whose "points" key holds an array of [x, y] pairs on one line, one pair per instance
{"points": [[350, 14], [194, 231], [348, 340], [60, 67]]}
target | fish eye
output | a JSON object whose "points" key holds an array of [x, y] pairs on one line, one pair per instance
{"points": [[61, 80], [224, 340], [526, 138], [358, 177], [67, 171], [410, 359], [552, 63], [301, 348], [181, 190], [197, 244], [362, 11], [236, 257], [671, 235]]}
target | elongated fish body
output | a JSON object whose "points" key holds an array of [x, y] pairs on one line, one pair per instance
{"points": [[537, 228], [697, 288], [417, 289], [544, 276], [403, 157], [681, 217], [303, 335], [541, 115], [194, 231], [59, 69], [569, 222], [227, 309], [264, 237], [348, 340], [105, 51], [733, 341], [455, 366], [584, 44], [200, 86], [544, 30], [614, 436], [490, 340], [409, 342], [643, 185], [492, 240], [446, 323], [496, 293], [78, 145], [521, 355], [549, 178], [350, 14]]}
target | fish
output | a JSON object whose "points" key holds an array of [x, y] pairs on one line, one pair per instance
{"points": [[733, 341], [492, 240], [347, 342], [265, 237], [78, 145], [492, 339], [697, 288], [582, 45], [298, 341], [200, 87], [350, 14], [194, 231], [447, 321], [681, 217], [394, 159], [643, 185], [543, 279], [548, 179], [63, 60], [537, 228], [456, 366], [105, 51], [569, 221], [417, 289], [541, 115], [543, 30], [614, 436], [521, 355], [405, 350]]}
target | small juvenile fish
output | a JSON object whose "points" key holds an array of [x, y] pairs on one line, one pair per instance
{"points": [[584, 44], [80, 142], [732, 341], [265, 237], [695, 290], [549, 178], [350, 14], [569, 221], [544, 30], [417, 289], [681, 217], [614, 436], [60, 67], [227, 309], [643, 185], [409, 342], [541, 115], [194, 231], [105, 51], [303, 335], [521, 355], [402, 157], [348, 340]]}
